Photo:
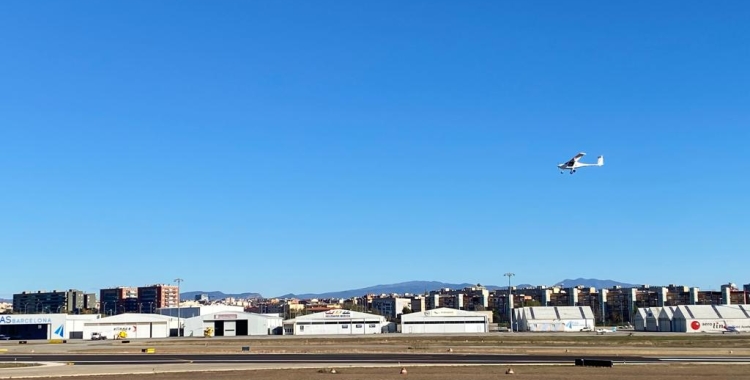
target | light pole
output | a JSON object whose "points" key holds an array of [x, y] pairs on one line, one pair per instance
{"points": [[510, 299], [178, 281]]}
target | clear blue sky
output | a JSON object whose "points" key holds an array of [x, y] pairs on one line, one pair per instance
{"points": [[305, 146]]}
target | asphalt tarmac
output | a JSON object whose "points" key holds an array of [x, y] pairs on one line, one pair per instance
{"points": [[125, 359]]}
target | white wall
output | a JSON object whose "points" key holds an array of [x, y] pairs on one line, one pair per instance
{"points": [[194, 311], [256, 324], [709, 325], [344, 328], [77, 322], [443, 328], [558, 325], [56, 323], [137, 330]]}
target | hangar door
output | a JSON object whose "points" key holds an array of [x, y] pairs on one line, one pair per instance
{"points": [[26, 332], [231, 328], [225, 328]]}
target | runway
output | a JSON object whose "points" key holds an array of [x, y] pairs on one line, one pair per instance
{"points": [[459, 359]]}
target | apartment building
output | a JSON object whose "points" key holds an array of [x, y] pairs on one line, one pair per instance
{"points": [[67, 301], [157, 296], [391, 307], [118, 300]]}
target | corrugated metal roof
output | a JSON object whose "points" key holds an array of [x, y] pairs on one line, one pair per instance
{"points": [[135, 318], [558, 312], [712, 311]]}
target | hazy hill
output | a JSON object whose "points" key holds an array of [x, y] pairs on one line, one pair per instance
{"points": [[217, 295], [592, 282], [413, 287]]}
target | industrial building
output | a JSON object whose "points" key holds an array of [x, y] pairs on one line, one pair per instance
{"points": [[131, 326], [75, 324], [647, 318], [711, 318], [34, 326], [666, 318], [554, 318], [639, 320], [194, 311], [233, 323], [335, 322], [444, 320]]}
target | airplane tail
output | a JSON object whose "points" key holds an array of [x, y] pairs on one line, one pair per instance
{"points": [[600, 161]]}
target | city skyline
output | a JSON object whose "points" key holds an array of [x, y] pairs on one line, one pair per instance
{"points": [[296, 146], [567, 283]]}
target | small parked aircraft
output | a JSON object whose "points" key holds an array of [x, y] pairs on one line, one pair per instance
{"points": [[604, 331], [574, 163], [730, 329]]}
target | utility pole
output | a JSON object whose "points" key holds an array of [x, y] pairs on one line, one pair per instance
{"points": [[179, 322], [510, 299]]}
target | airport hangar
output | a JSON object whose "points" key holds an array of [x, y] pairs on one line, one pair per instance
{"points": [[706, 318], [34, 326], [554, 318], [233, 323], [654, 318], [444, 320], [136, 325], [336, 322]]}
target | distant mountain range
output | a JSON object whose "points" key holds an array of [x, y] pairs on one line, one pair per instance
{"points": [[411, 287], [217, 295], [592, 282]]}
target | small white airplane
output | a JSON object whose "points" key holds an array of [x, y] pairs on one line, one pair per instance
{"points": [[604, 331], [729, 329], [574, 163]]}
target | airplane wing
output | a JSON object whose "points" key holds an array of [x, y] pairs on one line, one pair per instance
{"points": [[575, 158]]}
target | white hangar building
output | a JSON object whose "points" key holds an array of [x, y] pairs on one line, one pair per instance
{"points": [[444, 320], [555, 318], [194, 311], [654, 318], [665, 318], [711, 318], [639, 320], [233, 323], [34, 326], [336, 322], [132, 326]]}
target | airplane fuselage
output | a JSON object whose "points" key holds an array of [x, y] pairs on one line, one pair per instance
{"points": [[574, 164], [571, 168]]}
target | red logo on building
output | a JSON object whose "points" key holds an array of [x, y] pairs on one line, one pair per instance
{"points": [[695, 325]]}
